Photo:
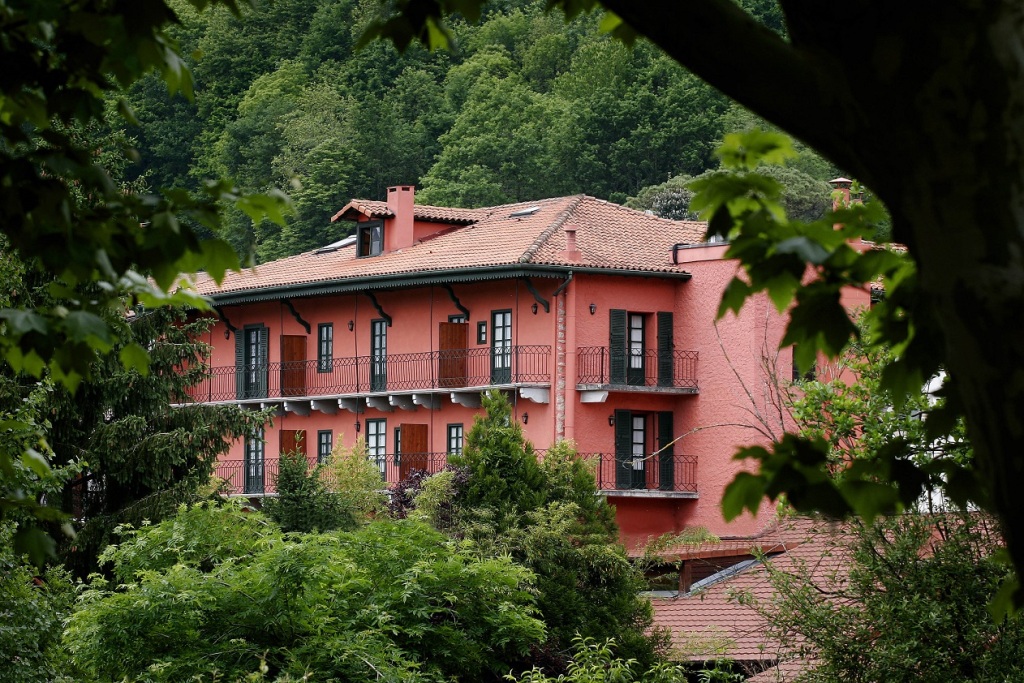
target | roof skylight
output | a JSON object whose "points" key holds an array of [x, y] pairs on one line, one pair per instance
{"points": [[524, 212]]}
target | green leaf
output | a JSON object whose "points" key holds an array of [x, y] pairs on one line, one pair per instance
{"points": [[134, 357], [744, 492]]}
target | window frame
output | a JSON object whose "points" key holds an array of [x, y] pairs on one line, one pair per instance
{"points": [[324, 437], [369, 239], [456, 438], [377, 442], [325, 347]]}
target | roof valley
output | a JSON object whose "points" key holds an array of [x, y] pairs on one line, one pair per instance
{"points": [[559, 221]]}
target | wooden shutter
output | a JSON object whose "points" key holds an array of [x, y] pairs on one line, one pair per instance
{"points": [[666, 349], [293, 440], [623, 449], [617, 346], [453, 345], [293, 365], [414, 449], [666, 457], [240, 391]]}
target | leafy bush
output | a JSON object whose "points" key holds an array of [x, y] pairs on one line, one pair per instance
{"points": [[350, 474], [303, 502], [389, 601]]}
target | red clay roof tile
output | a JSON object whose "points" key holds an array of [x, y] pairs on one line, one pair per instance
{"points": [[608, 236]]}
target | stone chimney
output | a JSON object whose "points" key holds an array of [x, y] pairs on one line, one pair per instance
{"points": [[571, 251], [398, 230]]}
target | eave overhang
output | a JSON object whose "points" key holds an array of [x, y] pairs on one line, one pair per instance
{"points": [[437, 277]]}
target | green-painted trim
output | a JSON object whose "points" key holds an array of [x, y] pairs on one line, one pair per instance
{"points": [[440, 277]]}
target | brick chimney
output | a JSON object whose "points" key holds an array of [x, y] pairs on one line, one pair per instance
{"points": [[841, 192], [398, 231], [571, 251]]}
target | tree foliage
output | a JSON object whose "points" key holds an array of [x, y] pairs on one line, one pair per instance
{"points": [[913, 605], [303, 502], [547, 516], [218, 592]]}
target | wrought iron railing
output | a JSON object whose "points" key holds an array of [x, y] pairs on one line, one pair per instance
{"points": [[599, 365], [668, 472], [242, 477], [360, 374], [658, 472]]}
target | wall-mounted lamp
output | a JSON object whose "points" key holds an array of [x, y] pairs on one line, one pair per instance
{"points": [[227, 333], [526, 418], [351, 325], [357, 426], [611, 420], [534, 308], [593, 309]]}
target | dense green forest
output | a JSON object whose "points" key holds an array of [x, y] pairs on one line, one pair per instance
{"points": [[525, 107]]}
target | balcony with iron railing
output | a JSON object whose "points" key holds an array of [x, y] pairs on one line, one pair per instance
{"points": [[667, 474], [462, 369], [599, 367]]}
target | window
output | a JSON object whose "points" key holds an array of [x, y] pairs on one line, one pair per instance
{"points": [[379, 353], [325, 347], [627, 348], [481, 332], [455, 439], [370, 239], [377, 443], [254, 455], [501, 347], [457, 319], [251, 363], [324, 445]]}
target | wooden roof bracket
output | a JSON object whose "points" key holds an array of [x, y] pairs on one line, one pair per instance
{"points": [[562, 286], [455, 300], [220, 314], [536, 295], [295, 314], [373, 300]]}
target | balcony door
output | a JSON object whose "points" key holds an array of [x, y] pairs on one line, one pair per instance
{"points": [[254, 467], [644, 450], [251, 362], [411, 448], [501, 347], [453, 345], [293, 365], [378, 355]]}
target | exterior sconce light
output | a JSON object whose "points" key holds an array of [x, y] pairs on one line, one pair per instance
{"points": [[526, 416], [351, 325], [611, 418], [227, 333], [593, 309], [357, 426], [534, 308]]}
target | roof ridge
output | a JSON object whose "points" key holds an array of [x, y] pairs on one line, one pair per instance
{"points": [[545, 235]]}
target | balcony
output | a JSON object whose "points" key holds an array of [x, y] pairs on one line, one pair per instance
{"points": [[664, 475], [671, 476], [601, 369], [464, 369], [258, 478]]}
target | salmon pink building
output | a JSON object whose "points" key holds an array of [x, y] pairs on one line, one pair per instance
{"points": [[597, 321]]}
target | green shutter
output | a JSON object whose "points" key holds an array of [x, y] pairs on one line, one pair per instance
{"points": [[240, 364], [617, 346], [623, 449], [665, 349], [666, 459], [263, 362]]}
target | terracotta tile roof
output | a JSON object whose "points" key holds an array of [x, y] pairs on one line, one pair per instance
{"points": [[711, 623], [422, 212], [608, 236]]}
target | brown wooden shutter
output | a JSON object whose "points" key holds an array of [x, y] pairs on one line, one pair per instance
{"points": [[293, 365], [453, 345], [293, 440], [414, 449]]}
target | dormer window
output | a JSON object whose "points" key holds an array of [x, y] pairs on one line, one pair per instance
{"points": [[370, 240]]}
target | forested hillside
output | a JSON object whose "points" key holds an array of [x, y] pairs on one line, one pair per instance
{"points": [[526, 107]]}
